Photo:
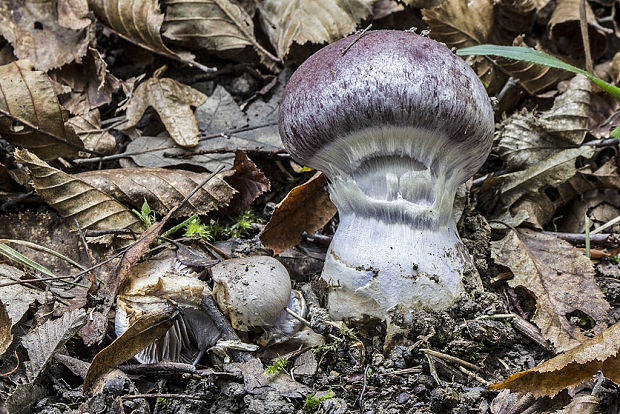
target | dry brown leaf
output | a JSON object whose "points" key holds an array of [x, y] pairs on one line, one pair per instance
{"points": [[5, 329], [75, 199], [172, 101], [460, 23], [45, 340], [73, 14], [423, 4], [383, 8], [143, 332], [512, 18], [33, 30], [249, 182], [315, 21], [214, 25], [560, 277], [91, 84], [565, 31], [29, 96], [17, 298], [533, 78], [551, 171], [527, 138], [88, 128], [163, 189], [306, 207], [572, 367]]}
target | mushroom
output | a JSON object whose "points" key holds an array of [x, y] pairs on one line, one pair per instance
{"points": [[396, 122]]}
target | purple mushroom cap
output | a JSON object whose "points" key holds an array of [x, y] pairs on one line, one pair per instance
{"points": [[386, 79]]}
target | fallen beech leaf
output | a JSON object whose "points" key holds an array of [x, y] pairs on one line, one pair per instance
{"points": [[561, 279], [564, 30], [29, 96], [527, 138], [306, 207], [600, 353], [172, 101], [144, 331], [460, 23], [33, 30], [315, 21], [512, 18], [162, 188], [216, 25], [248, 180], [74, 198], [88, 128], [5, 328], [73, 14], [45, 340]]}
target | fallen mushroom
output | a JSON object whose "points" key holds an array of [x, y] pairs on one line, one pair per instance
{"points": [[255, 293], [154, 284], [396, 122]]}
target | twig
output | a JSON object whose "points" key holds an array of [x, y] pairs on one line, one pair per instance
{"points": [[358, 37], [165, 366], [181, 396], [452, 359], [15, 200], [188, 154], [578, 238], [296, 316], [165, 147], [585, 36], [14, 369], [47, 133], [605, 226], [360, 400]]}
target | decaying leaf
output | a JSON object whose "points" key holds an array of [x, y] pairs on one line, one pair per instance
{"points": [[255, 382], [559, 276], [551, 171], [92, 85], [564, 30], [383, 8], [315, 21], [5, 328], [33, 29], [512, 18], [249, 182], [17, 298], [73, 14], [163, 189], [306, 207], [527, 138], [423, 4], [144, 331], [29, 96], [88, 128], [74, 198], [600, 353], [214, 25], [460, 23], [45, 340], [172, 101]]}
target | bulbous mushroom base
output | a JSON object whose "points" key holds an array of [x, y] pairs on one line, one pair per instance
{"points": [[372, 266]]}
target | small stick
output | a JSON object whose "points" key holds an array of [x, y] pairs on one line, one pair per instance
{"points": [[452, 359], [360, 400], [181, 396], [359, 36], [605, 226], [223, 325], [585, 36], [188, 154], [164, 366], [296, 316]]}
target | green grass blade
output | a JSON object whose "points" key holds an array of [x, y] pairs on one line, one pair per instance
{"points": [[540, 58], [23, 260]]}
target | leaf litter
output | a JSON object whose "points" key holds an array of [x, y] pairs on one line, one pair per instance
{"points": [[92, 131]]}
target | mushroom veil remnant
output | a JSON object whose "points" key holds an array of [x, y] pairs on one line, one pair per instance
{"points": [[396, 122]]}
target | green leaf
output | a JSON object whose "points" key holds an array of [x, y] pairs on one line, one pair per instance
{"points": [[23, 260], [537, 57], [616, 132]]}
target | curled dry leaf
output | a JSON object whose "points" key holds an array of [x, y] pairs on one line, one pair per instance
{"points": [[600, 353], [512, 18], [460, 23], [163, 189], [144, 331], [88, 128], [33, 29], [526, 138], [74, 198], [564, 30], [315, 21], [306, 207], [215, 25], [73, 14], [249, 182], [172, 101], [29, 96], [560, 277], [45, 340], [5, 329]]}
